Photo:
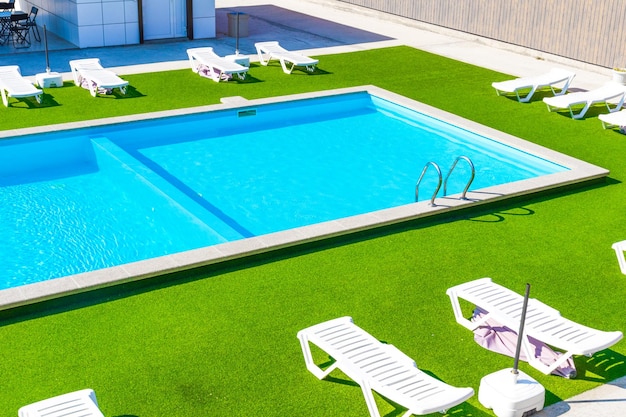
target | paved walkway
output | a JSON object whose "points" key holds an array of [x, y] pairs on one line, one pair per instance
{"points": [[305, 25], [320, 27]]}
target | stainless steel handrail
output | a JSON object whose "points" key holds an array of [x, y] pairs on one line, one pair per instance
{"points": [[471, 164], [417, 185]]}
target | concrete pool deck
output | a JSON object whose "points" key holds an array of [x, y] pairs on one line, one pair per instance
{"points": [[315, 27], [305, 25]]}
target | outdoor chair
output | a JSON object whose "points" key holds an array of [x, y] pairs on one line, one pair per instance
{"points": [[609, 94], [20, 31], [13, 84], [543, 323], [90, 74], [380, 367], [288, 60], [206, 62], [32, 24], [556, 77], [613, 120], [8, 5]]}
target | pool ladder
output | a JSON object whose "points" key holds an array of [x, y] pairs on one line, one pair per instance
{"points": [[445, 182]]}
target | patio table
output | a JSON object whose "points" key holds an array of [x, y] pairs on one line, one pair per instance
{"points": [[5, 26]]}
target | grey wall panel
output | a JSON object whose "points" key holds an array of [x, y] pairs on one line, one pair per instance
{"points": [[590, 31]]}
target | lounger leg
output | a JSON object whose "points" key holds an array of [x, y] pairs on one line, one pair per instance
{"points": [[562, 359], [565, 87], [93, 89], [458, 315], [262, 59], [548, 369], [310, 364], [581, 113], [527, 97], [5, 98], [606, 125], [535, 362], [616, 107], [559, 93], [369, 399], [283, 64], [192, 62], [215, 74], [619, 248]]}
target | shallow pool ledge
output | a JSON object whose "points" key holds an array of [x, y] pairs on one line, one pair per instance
{"points": [[578, 172]]}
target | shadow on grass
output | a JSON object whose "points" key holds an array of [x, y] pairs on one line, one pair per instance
{"points": [[248, 80], [29, 103], [316, 71], [603, 367], [47, 100], [131, 92], [462, 410], [499, 216], [538, 96], [234, 79], [592, 113], [511, 209], [299, 70]]}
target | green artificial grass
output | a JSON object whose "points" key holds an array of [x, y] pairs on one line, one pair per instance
{"points": [[223, 341]]}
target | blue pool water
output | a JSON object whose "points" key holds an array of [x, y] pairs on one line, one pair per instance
{"points": [[76, 201]]}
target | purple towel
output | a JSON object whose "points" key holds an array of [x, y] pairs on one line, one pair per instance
{"points": [[498, 338], [204, 71]]}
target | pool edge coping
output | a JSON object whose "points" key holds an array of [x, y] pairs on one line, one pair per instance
{"points": [[579, 171]]}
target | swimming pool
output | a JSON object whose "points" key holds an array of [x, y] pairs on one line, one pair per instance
{"points": [[125, 201]]}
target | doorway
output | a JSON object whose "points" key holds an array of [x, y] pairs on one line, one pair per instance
{"points": [[163, 19]]}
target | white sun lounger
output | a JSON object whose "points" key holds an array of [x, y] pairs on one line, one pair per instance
{"points": [[379, 367], [205, 60], [81, 403], [612, 120], [90, 71], [288, 60], [555, 78], [610, 93], [12, 84], [542, 322], [620, 248]]}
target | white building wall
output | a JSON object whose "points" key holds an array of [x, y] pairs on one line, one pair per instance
{"points": [[94, 23], [203, 19]]}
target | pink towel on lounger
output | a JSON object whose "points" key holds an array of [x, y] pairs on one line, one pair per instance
{"points": [[498, 338]]}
